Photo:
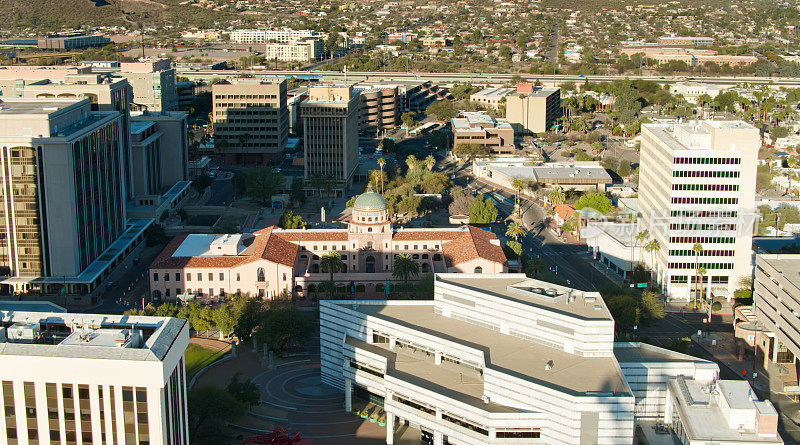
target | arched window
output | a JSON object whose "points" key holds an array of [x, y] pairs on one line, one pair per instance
{"points": [[415, 256], [424, 256], [369, 229], [479, 269], [304, 257], [369, 244], [260, 275]]}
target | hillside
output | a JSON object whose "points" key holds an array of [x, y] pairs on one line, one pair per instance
{"points": [[47, 15]]}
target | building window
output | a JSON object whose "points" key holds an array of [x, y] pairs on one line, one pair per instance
{"points": [[238, 277], [210, 276], [166, 277], [479, 269], [221, 276], [177, 276], [260, 275], [188, 277], [155, 277], [199, 277]]}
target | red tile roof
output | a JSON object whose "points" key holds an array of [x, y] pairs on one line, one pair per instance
{"points": [[472, 244], [264, 246], [325, 235], [564, 211]]}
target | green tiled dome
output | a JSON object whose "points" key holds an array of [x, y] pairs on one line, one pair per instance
{"points": [[370, 201]]}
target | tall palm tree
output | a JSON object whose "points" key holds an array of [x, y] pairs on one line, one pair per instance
{"points": [[697, 248], [516, 230], [652, 247], [640, 238], [404, 268], [517, 184], [701, 272], [381, 163], [556, 196]]}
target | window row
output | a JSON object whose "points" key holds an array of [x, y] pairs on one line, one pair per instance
{"points": [[703, 213], [707, 266], [690, 252], [707, 187], [706, 161], [704, 174], [676, 200], [702, 226], [703, 239]]}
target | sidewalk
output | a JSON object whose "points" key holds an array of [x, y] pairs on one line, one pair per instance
{"points": [[722, 346]]}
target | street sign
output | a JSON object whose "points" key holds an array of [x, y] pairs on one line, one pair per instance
{"points": [[641, 284]]}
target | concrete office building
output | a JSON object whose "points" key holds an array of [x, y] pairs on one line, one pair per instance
{"points": [[285, 35], [533, 109], [499, 358], [330, 134], [185, 92], [697, 185], [85, 378], [495, 135], [153, 83], [251, 121], [776, 299], [380, 108], [304, 50], [174, 161]]}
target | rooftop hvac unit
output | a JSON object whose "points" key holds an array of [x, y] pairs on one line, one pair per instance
{"points": [[23, 332]]}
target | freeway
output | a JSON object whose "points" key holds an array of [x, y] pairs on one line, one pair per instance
{"points": [[546, 79]]}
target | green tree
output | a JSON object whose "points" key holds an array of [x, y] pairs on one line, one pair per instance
{"points": [[423, 289], [404, 268], [262, 183], [224, 320], [244, 391], [625, 310], [297, 194], [332, 43], [469, 151], [290, 220], [155, 235], [650, 307], [596, 201], [166, 310], [284, 327], [482, 211], [248, 313], [408, 118], [512, 249], [210, 409], [556, 196], [442, 109]]}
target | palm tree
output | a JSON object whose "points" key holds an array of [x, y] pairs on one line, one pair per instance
{"points": [[331, 263], [411, 162], [701, 272], [405, 267], [430, 162], [640, 238], [556, 196], [381, 163], [652, 247], [535, 267], [697, 248], [517, 184], [516, 230]]}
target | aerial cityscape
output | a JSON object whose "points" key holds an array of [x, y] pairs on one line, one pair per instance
{"points": [[399, 222]]}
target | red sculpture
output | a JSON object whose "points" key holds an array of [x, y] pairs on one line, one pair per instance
{"points": [[278, 436]]}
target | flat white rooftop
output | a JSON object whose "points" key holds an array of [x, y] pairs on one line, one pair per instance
{"points": [[201, 245]]}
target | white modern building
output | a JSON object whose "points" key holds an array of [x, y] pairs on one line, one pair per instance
{"points": [[697, 185], [499, 358], [588, 176], [88, 378], [270, 35]]}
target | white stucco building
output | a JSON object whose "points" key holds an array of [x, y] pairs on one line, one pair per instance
{"points": [[697, 185], [502, 359], [89, 378]]}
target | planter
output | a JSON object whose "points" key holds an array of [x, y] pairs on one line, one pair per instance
{"points": [[371, 420], [363, 416], [382, 423]]}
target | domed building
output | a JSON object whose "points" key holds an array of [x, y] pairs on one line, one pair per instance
{"points": [[290, 261]]}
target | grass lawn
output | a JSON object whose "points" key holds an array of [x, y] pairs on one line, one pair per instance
{"points": [[198, 357]]}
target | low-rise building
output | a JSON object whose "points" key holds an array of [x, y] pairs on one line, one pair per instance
{"points": [[284, 35], [491, 97], [495, 135], [499, 357], [274, 262], [380, 108], [71, 42], [72, 378], [585, 176]]}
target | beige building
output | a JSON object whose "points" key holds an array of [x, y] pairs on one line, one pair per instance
{"points": [[274, 262], [251, 120], [533, 109], [330, 134], [174, 158], [153, 83], [496, 135], [491, 97], [63, 202], [697, 185], [284, 35], [298, 51]]}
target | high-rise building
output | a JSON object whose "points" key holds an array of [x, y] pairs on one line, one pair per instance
{"points": [[63, 195], [251, 120], [85, 378], [533, 109], [153, 83], [330, 134], [697, 186], [174, 144]]}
